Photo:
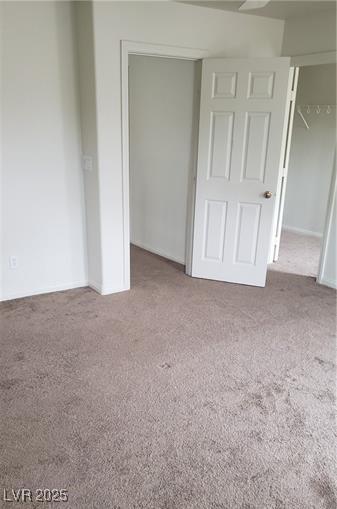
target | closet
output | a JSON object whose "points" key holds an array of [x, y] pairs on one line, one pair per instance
{"points": [[311, 164]]}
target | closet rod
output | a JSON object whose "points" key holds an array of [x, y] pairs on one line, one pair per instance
{"points": [[317, 108]]}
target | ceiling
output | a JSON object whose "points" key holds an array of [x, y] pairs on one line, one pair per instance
{"points": [[280, 9]]}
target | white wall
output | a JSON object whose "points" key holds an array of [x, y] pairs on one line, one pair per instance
{"points": [[312, 152], [328, 268], [42, 202], [161, 101], [221, 33], [87, 90]]}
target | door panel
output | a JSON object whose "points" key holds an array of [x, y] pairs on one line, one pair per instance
{"points": [[255, 146], [247, 234], [220, 148], [214, 235], [240, 134]]}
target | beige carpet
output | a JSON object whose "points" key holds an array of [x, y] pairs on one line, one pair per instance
{"points": [[299, 254], [179, 394]]}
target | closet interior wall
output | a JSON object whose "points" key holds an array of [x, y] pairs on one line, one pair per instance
{"points": [[312, 151], [163, 131]]}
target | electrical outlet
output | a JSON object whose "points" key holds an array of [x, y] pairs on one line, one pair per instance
{"points": [[13, 262], [87, 163]]}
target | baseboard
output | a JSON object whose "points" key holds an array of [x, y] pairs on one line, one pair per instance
{"points": [[159, 252], [302, 231], [105, 290], [41, 291], [95, 286], [328, 282], [101, 289]]}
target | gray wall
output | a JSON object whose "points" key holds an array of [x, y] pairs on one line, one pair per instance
{"points": [[312, 152], [314, 33], [162, 128], [43, 202]]}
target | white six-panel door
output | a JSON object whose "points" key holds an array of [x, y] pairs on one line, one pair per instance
{"points": [[242, 112]]}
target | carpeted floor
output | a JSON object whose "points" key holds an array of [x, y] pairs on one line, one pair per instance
{"points": [[299, 254], [179, 394]]}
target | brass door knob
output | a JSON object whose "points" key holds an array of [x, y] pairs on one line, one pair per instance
{"points": [[268, 194]]}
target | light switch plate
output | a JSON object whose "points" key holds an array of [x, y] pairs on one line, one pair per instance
{"points": [[87, 163], [13, 262]]}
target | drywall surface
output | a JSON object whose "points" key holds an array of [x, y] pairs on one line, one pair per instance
{"points": [[224, 34], [317, 84], [312, 152], [42, 202], [161, 95], [328, 274], [315, 33], [87, 90]]}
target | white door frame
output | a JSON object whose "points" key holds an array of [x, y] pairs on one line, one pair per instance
{"points": [[284, 164], [142, 48], [328, 229]]}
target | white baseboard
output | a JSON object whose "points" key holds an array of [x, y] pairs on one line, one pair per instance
{"points": [[101, 289], [108, 290], [159, 252], [327, 282], [302, 231], [95, 286], [105, 290], [40, 291]]}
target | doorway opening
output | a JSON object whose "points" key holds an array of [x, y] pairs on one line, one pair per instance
{"points": [[310, 172], [163, 133], [241, 135]]}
